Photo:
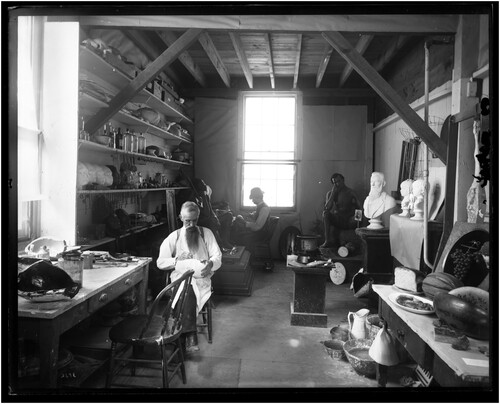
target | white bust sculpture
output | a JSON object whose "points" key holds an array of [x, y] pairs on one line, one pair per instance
{"points": [[406, 188], [418, 192], [377, 202]]}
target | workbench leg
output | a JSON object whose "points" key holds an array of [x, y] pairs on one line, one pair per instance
{"points": [[381, 375], [143, 290], [48, 339]]}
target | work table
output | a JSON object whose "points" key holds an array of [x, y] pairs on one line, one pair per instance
{"points": [[45, 322], [450, 367]]}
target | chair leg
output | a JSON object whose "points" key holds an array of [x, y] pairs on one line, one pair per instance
{"points": [[181, 357], [209, 320], [164, 367], [109, 375]]}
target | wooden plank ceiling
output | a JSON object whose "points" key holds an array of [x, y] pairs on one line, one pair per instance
{"points": [[233, 53], [299, 52]]}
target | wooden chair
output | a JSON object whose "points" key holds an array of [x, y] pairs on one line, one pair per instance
{"points": [[264, 245], [160, 329]]}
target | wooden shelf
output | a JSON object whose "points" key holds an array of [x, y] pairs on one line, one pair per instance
{"points": [[92, 105], [95, 64], [92, 146], [134, 230], [118, 191]]}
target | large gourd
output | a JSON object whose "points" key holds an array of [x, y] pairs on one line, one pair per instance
{"points": [[460, 313], [439, 282]]}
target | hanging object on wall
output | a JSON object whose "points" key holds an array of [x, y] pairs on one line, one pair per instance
{"points": [[409, 151], [476, 196]]}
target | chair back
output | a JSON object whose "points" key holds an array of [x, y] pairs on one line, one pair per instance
{"points": [[271, 226], [171, 315]]}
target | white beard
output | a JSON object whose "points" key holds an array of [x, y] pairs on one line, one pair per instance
{"points": [[374, 194]]}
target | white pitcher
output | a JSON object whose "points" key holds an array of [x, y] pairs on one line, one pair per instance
{"points": [[358, 327]]}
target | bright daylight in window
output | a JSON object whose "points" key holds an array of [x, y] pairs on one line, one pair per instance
{"points": [[28, 162], [269, 144]]}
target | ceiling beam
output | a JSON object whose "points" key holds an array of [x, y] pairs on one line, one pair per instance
{"points": [[143, 78], [207, 44], [425, 24], [151, 52], [391, 50], [267, 40], [297, 61], [169, 38], [324, 64], [388, 94], [361, 47], [238, 47]]}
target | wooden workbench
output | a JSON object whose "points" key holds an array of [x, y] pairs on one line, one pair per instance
{"points": [[450, 368], [45, 322]]}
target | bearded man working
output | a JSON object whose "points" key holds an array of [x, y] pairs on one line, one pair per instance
{"points": [[338, 213], [191, 247], [378, 204]]}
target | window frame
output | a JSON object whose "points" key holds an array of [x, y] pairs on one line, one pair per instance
{"points": [[241, 142]]}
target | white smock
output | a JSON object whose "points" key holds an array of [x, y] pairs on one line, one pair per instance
{"points": [[175, 245]]}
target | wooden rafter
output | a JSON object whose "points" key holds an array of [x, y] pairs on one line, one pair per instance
{"points": [[144, 44], [143, 78], [297, 61], [388, 94], [207, 44], [267, 38], [324, 64], [392, 48], [372, 23], [361, 47], [169, 38], [238, 47]]}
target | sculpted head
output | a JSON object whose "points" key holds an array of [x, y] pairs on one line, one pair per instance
{"points": [[377, 183], [418, 187], [406, 187]]}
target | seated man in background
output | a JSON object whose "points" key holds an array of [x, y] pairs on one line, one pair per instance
{"points": [[247, 232], [191, 247], [338, 213]]}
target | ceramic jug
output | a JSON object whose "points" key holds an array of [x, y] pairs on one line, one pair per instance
{"points": [[357, 326]]}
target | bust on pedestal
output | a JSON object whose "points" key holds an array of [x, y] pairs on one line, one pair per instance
{"points": [[408, 197], [418, 207], [378, 203]]}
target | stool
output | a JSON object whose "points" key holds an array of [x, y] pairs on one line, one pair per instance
{"points": [[206, 314]]}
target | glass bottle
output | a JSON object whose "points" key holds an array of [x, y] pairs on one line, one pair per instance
{"points": [[119, 139], [127, 141], [135, 143], [141, 143], [84, 135]]}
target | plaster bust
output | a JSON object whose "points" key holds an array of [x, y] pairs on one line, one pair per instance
{"points": [[378, 201], [406, 189], [418, 192]]}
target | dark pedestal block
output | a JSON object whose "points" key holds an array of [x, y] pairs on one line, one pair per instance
{"points": [[377, 257]]}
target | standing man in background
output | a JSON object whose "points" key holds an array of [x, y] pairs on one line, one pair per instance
{"points": [[338, 212]]}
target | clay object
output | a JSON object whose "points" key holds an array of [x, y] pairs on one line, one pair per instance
{"points": [[383, 349]]}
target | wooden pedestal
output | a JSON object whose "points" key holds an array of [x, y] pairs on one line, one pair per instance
{"points": [[377, 257]]}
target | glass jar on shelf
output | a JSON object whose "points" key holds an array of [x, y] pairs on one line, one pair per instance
{"points": [[134, 143]]}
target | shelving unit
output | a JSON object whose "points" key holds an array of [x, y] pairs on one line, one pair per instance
{"points": [[89, 145], [109, 79], [95, 64]]}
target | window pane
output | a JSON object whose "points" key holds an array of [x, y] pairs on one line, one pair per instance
{"points": [[276, 180]]}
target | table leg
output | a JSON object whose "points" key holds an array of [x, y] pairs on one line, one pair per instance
{"points": [[143, 290], [48, 339], [381, 375]]}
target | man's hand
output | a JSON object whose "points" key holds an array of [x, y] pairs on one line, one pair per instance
{"points": [[207, 271]]}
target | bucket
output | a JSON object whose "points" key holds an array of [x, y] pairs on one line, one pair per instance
{"points": [[307, 243], [72, 264]]}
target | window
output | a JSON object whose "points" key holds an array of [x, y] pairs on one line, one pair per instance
{"points": [[29, 137], [269, 147]]}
